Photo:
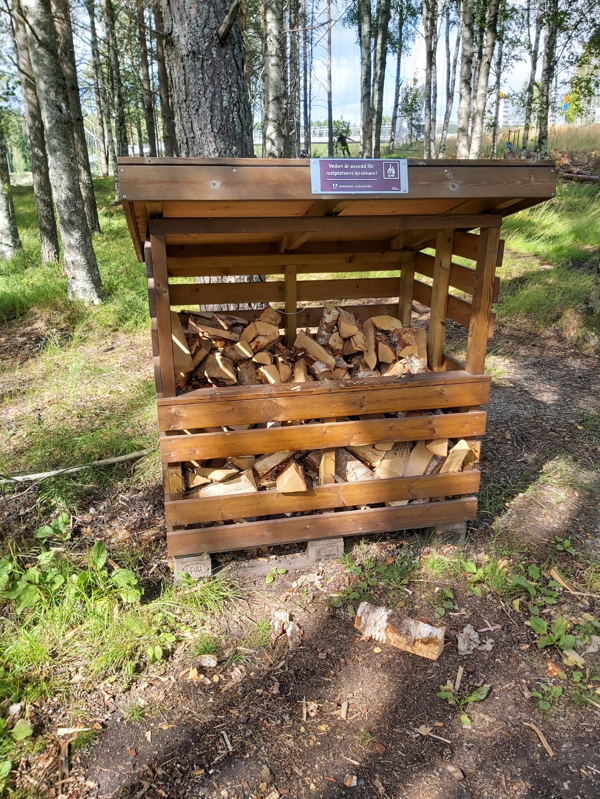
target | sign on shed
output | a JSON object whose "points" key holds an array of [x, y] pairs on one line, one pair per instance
{"points": [[358, 176]]}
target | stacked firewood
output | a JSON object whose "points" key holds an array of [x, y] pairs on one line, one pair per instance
{"points": [[225, 350]]}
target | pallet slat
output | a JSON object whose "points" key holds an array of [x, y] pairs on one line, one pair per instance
{"points": [[338, 495], [203, 446]]}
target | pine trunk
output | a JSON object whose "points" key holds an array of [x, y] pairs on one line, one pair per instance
{"points": [[80, 260], [42, 190], [273, 80], [148, 107], [381, 42], [329, 94], [398, 82], [466, 65], [66, 51], [164, 92], [10, 243], [101, 114], [531, 85], [364, 35], [548, 67], [450, 84], [117, 82], [478, 114], [305, 87]]}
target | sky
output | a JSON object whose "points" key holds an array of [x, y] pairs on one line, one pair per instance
{"points": [[346, 74]]}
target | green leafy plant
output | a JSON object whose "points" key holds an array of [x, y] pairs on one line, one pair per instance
{"points": [[58, 528], [9, 740], [446, 599], [564, 545], [273, 574], [549, 696], [554, 635], [461, 699]]}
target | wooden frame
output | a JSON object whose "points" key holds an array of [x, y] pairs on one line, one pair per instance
{"points": [[200, 217]]}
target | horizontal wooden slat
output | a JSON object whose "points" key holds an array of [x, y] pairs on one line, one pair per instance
{"points": [[345, 289], [465, 245], [320, 436], [230, 537], [215, 293], [461, 277], [334, 225], [240, 405], [319, 250], [338, 495]]}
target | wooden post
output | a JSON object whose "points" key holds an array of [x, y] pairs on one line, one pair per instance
{"points": [[439, 299], [407, 279], [291, 298], [487, 254], [163, 314]]}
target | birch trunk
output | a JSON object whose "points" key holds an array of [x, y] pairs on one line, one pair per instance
{"points": [[101, 112], [497, 84], [548, 67], [364, 35], [116, 80], [80, 261], [42, 191], [450, 84], [398, 82], [426, 17], [10, 243], [329, 96], [273, 80], [66, 51], [148, 107], [381, 40], [294, 79], [166, 111], [305, 88], [531, 85], [466, 65], [103, 96], [478, 115], [434, 89]]}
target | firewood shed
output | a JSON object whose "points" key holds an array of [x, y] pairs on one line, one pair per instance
{"points": [[322, 231]]}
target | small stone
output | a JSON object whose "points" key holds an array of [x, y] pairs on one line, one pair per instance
{"points": [[208, 661], [265, 775], [456, 773]]}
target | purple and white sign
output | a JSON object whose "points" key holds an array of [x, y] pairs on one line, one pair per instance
{"points": [[359, 176]]}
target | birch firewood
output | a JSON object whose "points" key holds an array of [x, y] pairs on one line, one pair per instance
{"points": [[388, 627]]}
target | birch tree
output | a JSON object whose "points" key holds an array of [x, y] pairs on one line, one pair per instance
{"points": [[364, 37], [451, 65], [381, 45], [273, 123], [466, 64], [548, 67], [42, 190], [399, 46], [10, 243], [80, 260], [478, 113], [533, 55]]}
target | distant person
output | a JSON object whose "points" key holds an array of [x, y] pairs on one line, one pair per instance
{"points": [[343, 140]]}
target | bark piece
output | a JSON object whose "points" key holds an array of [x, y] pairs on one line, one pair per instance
{"points": [[270, 374], [216, 367], [327, 467], [314, 349], [409, 635], [456, 457], [182, 360], [292, 480], [247, 374], [416, 365], [393, 463], [327, 323], [270, 316], [370, 352], [386, 323], [268, 462], [347, 324], [439, 447]]}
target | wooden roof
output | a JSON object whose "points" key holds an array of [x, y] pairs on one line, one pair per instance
{"points": [[224, 202]]}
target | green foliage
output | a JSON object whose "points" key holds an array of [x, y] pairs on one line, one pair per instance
{"points": [[462, 698], [273, 574], [564, 545], [554, 635], [548, 697], [365, 575], [9, 746], [446, 602], [412, 103]]}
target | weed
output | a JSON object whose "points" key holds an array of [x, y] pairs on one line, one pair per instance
{"points": [[549, 695], [207, 644], [9, 746], [492, 574], [84, 739], [460, 699], [435, 566], [366, 738], [273, 574], [564, 545], [445, 599], [136, 712], [552, 635], [259, 635]]}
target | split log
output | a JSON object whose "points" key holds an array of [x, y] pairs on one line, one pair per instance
{"points": [[263, 358], [216, 367], [292, 480], [439, 447], [213, 332], [247, 374], [270, 374], [347, 324], [215, 475], [385, 353], [242, 484], [182, 358], [417, 365], [195, 480], [243, 462], [356, 343], [336, 342], [456, 457], [327, 467], [243, 349], [411, 349], [327, 323], [393, 463], [270, 316], [398, 369], [262, 342], [371, 456], [201, 352], [416, 466], [267, 463], [387, 323], [350, 469], [285, 370], [409, 635], [370, 353], [300, 375], [314, 349]]}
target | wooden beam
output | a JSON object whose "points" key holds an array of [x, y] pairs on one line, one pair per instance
{"points": [[163, 314], [291, 241], [291, 301], [407, 280], [338, 495], [482, 300], [439, 299]]}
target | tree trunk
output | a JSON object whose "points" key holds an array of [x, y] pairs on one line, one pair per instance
{"points": [[103, 96], [398, 82], [548, 67], [117, 83], [434, 88], [466, 64], [531, 85], [294, 79], [329, 95], [148, 107], [305, 87], [427, 35], [381, 44], [66, 51], [166, 110], [364, 35], [478, 115], [10, 243], [450, 84], [101, 112], [42, 191], [273, 80], [497, 84], [80, 260]]}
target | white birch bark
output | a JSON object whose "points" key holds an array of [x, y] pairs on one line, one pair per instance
{"points": [[466, 65], [398, 82], [534, 49], [450, 84], [383, 21], [478, 114], [10, 243], [273, 81], [427, 35], [364, 35], [548, 67]]}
